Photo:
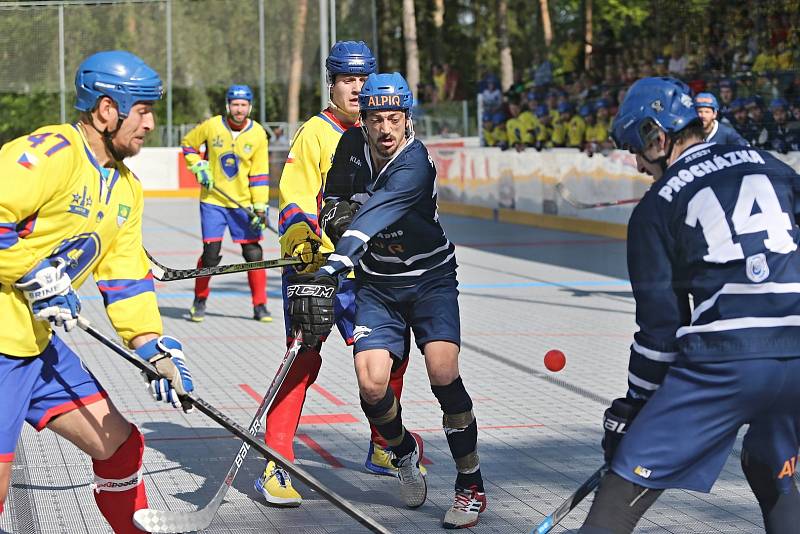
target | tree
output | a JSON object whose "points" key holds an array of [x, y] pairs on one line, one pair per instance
{"points": [[547, 28], [410, 41], [296, 65], [506, 61]]}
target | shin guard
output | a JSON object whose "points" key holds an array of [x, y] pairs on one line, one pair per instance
{"points": [[461, 430], [386, 416], [396, 384], [284, 414], [258, 286], [118, 485]]}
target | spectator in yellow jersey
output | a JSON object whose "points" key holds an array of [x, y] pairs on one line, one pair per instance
{"points": [[560, 127], [576, 127], [518, 130], [544, 131], [236, 164]]}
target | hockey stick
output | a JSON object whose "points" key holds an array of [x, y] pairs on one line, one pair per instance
{"points": [[153, 520], [234, 428], [250, 213], [566, 507], [168, 274], [566, 195]]}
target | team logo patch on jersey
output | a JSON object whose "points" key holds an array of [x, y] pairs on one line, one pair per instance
{"points": [[80, 203], [230, 164], [757, 268], [122, 214], [642, 471], [217, 142], [27, 160], [248, 148], [361, 331]]}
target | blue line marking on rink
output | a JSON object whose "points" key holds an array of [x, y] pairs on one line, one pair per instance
{"points": [[569, 283], [190, 294]]}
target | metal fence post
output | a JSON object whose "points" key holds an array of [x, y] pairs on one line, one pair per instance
{"points": [[262, 72], [62, 86], [169, 72]]}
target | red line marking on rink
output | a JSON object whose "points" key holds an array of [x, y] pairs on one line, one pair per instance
{"points": [[336, 401], [327, 419], [483, 427], [250, 391], [316, 447]]}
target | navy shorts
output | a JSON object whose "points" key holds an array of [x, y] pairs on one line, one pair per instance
{"points": [[344, 308], [686, 431], [214, 219], [384, 315], [39, 388]]}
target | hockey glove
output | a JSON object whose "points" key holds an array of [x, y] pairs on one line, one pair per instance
{"points": [[304, 244], [335, 219], [616, 421], [203, 174], [174, 379], [259, 222], [311, 306], [49, 292]]}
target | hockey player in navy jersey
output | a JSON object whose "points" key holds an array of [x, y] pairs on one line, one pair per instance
{"points": [[405, 272], [714, 266], [715, 131]]}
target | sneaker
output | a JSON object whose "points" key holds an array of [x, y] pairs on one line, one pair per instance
{"points": [[466, 507], [413, 488], [261, 314], [198, 310], [379, 460], [276, 487]]}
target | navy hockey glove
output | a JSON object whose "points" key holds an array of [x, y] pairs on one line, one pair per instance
{"points": [[335, 218], [616, 421], [49, 292], [174, 379], [311, 306]]}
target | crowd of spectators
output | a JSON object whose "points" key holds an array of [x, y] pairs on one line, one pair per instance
{"points": [[752, 72]]}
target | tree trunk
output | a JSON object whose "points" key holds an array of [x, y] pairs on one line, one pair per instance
{"points": [[588, 37], [438, 24], [506, 61], [548, 29], [296, 65], [410, 41]]}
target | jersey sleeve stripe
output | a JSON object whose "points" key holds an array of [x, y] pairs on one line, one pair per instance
{"points": [[666, 357], [412, 259], [355, 233], [292, 214], [189, 150], [116, 290], [343, 259], [643, 384], [258, 180], [740, 323], [8, 235]]}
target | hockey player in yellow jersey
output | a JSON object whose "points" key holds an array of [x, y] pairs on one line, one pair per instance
{"points": [[69, 208], [235, 163], [300, 194]]}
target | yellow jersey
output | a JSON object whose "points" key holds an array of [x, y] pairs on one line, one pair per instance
{"points": [[576, 131], [238, 161], [303, 180], [56, 201], [597, 133]]}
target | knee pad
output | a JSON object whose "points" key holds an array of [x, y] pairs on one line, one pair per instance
{"points": [[455, 402], [384, 411], [211, 254], [779, 508], [618, 506], [459, 425], [252, 252]]}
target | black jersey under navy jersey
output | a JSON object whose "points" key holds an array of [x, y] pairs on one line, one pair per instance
{"points": [[713, 262], [395, 237]]}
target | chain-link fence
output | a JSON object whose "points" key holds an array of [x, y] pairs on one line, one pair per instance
{"points": [[199, 47]]}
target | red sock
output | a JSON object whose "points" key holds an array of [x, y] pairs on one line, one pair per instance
{"points": [[201, 285], [396, 383], [1, 507], [284, 415], [258, 286], [119, 488]]}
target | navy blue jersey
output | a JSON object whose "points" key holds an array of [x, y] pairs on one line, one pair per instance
{"points": [[724, 134], [395, 237], [713, 262]]}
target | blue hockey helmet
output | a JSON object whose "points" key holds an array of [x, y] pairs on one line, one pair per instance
{"points": [[778, 103], [385, 92], [123, 77], [738, 103], [565, 107], [350, 57], [541, 110], [585, 110], [239, 92], [706, 100], [663, 102]]}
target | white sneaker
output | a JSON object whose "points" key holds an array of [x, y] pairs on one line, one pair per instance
{"points": [[466, 507], [413, 488]]}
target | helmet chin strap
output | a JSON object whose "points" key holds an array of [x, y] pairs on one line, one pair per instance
{"points": [[108, 137]]}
